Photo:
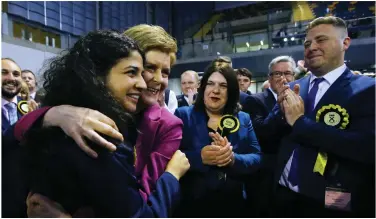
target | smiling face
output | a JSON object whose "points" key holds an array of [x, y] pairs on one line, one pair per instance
{"points": [[10, 79], [215, 95], [125, 81], [157, 69], [324, 48]]}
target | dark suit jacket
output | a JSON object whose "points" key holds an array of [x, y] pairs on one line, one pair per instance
{"points": [[108, 184], [242, 97], [181, 100], [259, 106], [353, 148]]}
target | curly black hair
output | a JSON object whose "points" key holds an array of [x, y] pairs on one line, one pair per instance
{"points": [[78, 77]]}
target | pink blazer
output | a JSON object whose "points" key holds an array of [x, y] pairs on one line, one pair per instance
{"points": [[161, 133]]}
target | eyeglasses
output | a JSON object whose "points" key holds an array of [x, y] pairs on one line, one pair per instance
{"points": [[278, 74]]}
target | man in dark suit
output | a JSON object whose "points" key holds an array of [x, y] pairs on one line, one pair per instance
{"points": [[326, 164], [259, 106], [189, 84]]}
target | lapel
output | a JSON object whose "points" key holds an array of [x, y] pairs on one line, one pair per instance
{"points": [[234, 137], [4, 121], [269, 99], [336, 94], [200, 131], [146, 138], [304, 86], [19, 114], [182, 101]]}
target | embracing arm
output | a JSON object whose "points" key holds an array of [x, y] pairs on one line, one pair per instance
{"points": [[76, 122], [110, 186]]}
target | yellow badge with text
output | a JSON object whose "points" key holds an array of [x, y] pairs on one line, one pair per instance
{"points": [[23, 107], [332, 115], [228, 124]]}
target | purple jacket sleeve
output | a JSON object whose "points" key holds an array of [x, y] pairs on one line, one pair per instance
{"points": [[166, 142]]}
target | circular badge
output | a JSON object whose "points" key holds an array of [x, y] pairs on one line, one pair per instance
{"points": [[333, 115], [23, 107], [229, 123]]}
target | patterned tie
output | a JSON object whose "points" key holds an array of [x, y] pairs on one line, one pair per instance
{"points": [[293, 173], [12, 112]]}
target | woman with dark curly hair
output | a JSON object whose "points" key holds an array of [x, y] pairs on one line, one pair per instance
{"points": [[102, 72]]}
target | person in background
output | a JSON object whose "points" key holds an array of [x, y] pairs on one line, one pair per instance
{"points": [[214, 186], [223, 61], [189, 81], [168, 100], [259, 106], [244, 79], [39, 96], [24, 92], [300, 70], [29, 77], [265, 85], [108, 184], [10, 88]]}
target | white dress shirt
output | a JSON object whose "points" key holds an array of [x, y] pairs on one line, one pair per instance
{"points": [[172, 102]]}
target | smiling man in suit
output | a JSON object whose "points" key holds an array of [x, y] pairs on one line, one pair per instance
{"points": [[326, 163], [11, 86]]}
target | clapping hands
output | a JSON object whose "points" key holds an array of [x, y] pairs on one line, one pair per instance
{"points": [[219, 153]]}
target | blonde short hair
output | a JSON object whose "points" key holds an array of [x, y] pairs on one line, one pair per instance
{"points": [[150, 37], [194, 74], [335, 21], [25, 90]]}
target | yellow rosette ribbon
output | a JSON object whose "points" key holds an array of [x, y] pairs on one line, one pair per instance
{"points": [[228, 124], [23, 107], [332, 115]]}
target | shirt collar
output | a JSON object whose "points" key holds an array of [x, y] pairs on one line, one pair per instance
{"points": [[331, 76], [274, 94], [32, 95], [4, 101]]}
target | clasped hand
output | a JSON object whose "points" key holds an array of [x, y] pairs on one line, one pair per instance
{"points": [[219, 153], [291, 103]]}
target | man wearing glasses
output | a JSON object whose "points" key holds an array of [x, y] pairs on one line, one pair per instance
{"points": [[259, 106]]}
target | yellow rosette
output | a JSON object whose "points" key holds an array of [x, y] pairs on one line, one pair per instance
{"points": [[23, 107], [332, 115], [228, 124]]}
